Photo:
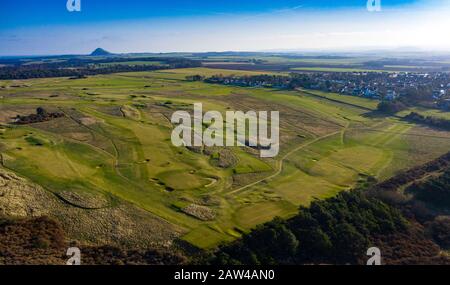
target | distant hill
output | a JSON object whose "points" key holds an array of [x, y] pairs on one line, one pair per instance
{"points": [[100, 52]]}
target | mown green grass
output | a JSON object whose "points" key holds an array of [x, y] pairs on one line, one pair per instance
{"points": [[126, 153], [249, 164], [258, 213]]}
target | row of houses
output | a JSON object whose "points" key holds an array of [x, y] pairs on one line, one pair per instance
{"points": [[370, 93], [375, 85], [386, 86]]}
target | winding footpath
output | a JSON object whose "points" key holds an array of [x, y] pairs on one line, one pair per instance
{"points": [[281, 161]]}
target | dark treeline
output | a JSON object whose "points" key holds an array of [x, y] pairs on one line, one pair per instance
{"points": [[79, 68], [25, 72], [339, 230], [440, 123], [435, 191], [391, 107]]}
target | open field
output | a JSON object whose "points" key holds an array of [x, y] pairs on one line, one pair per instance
{"points": [[137, 62], [113, 148], [285, 62], [340, 69]]}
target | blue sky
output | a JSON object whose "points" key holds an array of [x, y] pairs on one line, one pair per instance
{"points": [[46, 27]]}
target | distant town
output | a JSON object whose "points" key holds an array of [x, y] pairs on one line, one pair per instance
{"points": [[432, 89]]}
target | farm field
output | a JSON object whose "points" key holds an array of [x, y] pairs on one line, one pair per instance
{"points": [[134, 62], [113, 148], [314, 63], [340, 69]]}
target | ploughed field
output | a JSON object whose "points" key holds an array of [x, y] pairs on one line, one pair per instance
{"points": [[109, 162]]}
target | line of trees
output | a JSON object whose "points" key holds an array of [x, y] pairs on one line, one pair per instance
{"points": [[23, 72], [429, 120], [78, 68]]}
